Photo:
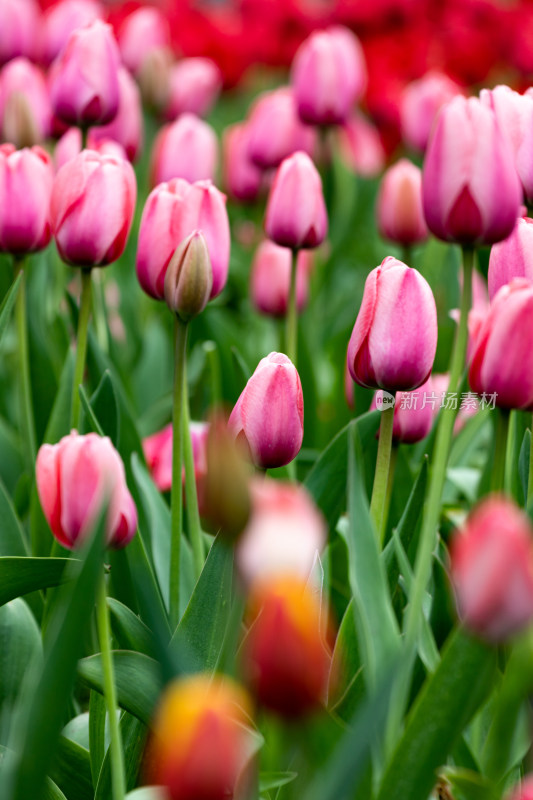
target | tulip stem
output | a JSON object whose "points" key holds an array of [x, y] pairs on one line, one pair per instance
{"points": [[381, 475], [176, 494], [191, 494], [530, 474], [118, 781], [81, 345], [24, 360], [291, 333], [500, 450]]}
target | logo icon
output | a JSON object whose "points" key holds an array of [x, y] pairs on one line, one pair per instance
{"points": [[384, 400]]}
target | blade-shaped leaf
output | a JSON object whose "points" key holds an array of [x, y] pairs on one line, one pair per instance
{"points": [[71, 770], [19, 576], [134, 734]]}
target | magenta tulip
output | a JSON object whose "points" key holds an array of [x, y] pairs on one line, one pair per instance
{"points": [[243, 179], [74, 479], [512, 258], [142, 32], [25, 111], [268, 417], [394, 339], [195, 84], [270, 279], [186, 148], [296, 214], [93, 201], [127, 128], [62, 19], [470, 188], [269, 144], [19, 22], [399, 205], [420, 104]]}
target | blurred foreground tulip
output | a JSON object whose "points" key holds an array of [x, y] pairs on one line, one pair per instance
{"points": [[269, 144], [25, 111], [421, 102], [75, 478], [195, 84], [399, 205], [62, 19], [189, 277], [492, 569], [271, 275], [127, 128], [524, 791], [242, 178], [268, 417], [512, 258], [413, 413], [186, 148], [394, 339], [19, 20]]}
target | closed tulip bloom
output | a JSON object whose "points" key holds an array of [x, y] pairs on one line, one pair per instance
{"points": [[75, 478], [296, 214], [172, 212], [127, 128], [26, 178], [93, 201], [270, 279], [399, 206], [502, 360], [361, 146], [19, 20], [60, 21], [84, 85], [243, 179], [524, 791], [394, 339], [189, 277], [512, 258], [270, 144], [414, 413], [420, 104], [186, 148], [70, 146], [471, 192], [268, 417], [142, 32], [195, 84], [492, 570], [25, 112], [328, 76]]}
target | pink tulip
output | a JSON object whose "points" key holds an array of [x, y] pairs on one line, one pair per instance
{"points": [[502, 361], [420, 104], [93, 202], [127, 128], [271, 276], [270, 144], [26, 178], [268, 417], [75, 478], [242, 178], [61, 20], [328, 76], [361, 147], [84, 85], [142, 32], [399, 206], [296, 214], [284, 534], [186, 148], [195, 84], [413, 413], [19, 21], [70, 146], [512, 258], [172, 212], [25, 111], [470, 189], [492, 570], [522, 792], [394, 339]]}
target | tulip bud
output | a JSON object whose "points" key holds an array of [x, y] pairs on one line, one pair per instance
{"points": [[26, 178], [127, 128], [189, 277], [285, 659], [421, 102], [19, 21], [186, 148], [492, 569], [399, 206], [195, 84], [92, 207], [143, 31], [200, 743], [512, 258], [270, 278], [84, 86], [471, 193], [522, 792], [502, 359], [394, 339], [413, 413], [25, 111], [242, 178], [75, 478], [361, 146], [62, 19], [268, 417], [268, 145], [296, 214], [328, 76], [153, 77]]}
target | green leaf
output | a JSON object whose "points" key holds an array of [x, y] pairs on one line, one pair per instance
{"points": [[147, 793], [7, 305], [468, 785], [274, 780], [97, 721], [12, 537], [20, 645], [130, 632], [523, 465], [91, 423], [346, 685], [77, 730], [134, 734], [104, 406], [71, 770], [19, 576], [52, 792]]}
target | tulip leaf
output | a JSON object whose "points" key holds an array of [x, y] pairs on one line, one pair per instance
{"points": [[7, 305], [20, 645], [346, 685], [12, 536], [104, 406], [523, 465], [148, 793], [130, 632], [21, 575], [71, 770], [77, 730], [91, 423], [97, 724], [134, 734], [465, 784], [274, 780]]}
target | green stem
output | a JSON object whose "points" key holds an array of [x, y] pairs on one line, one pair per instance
{"points": [[500, 450], [81, 345], [390, 484], [176, 495], [99, 311], [381, 475], [530, 475], [407, 254], [291, 333], [191, 495], [118, 781], [213, 361], [24, 361]]}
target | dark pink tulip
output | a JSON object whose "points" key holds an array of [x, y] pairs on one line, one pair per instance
{"points": [[25, 111], [271, 275], [143, 31], [394, 339], [243, 180], [60, 21], [413, 413], [195, 84], [421, 102], [328, 76], [172, 212], [492, 570], [84, 79], [269, 144], [74, 479], [26, 178], [361, 146], [502, 360], [93, 201], [268, 417], [186, 148], [19, 21], [127, 128], [399, 206], [470, 188], [512, 258], [296, 214], [522, 792]]}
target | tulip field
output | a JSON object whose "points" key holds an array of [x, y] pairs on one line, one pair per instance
{"points": [[266, 397]]}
